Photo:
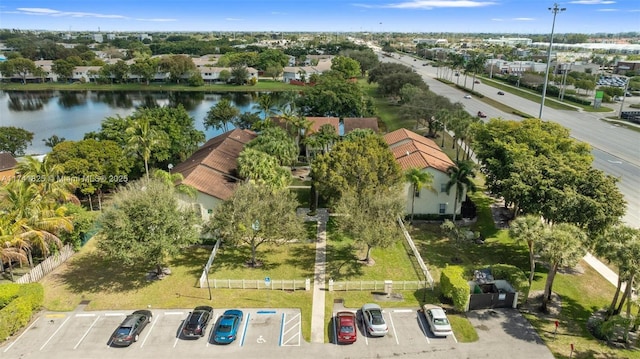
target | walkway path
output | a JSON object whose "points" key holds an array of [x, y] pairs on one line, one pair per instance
{"points": [[319, 277]]}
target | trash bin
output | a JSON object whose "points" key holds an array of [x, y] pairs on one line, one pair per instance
{"points": [[388, 286]]}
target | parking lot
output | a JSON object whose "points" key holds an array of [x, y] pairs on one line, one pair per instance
{"points": [[87, 335], [407, 329]]}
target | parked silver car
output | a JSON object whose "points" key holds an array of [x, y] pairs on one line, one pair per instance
{"points": [[373, 320], [437, 320]]}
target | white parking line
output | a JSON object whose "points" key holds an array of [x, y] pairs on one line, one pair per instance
{"points": [[212, 331], [454, 337], [86, 333], [402, 311], [364, 329], [395, 335], [20, 336], [184, 322], [173, 313], [54, 333], [295, 335], [149, 332], [85, 315], [114, 314]]}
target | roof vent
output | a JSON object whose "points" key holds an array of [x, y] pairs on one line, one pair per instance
{"points": [[407, 153]]}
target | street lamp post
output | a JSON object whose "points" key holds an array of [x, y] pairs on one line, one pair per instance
{"points": [[555, 9]]}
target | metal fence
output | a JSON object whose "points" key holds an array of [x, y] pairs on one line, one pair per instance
{"points": [[47, 266], [376, 285], [272, 284]]}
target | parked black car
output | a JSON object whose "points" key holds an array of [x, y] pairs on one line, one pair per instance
{"points": [[196, 323], [129, 330]]}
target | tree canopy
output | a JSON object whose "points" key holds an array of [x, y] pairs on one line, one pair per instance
{"points": [[334, 96], [14, 140], [255, 215], [143, 226]]}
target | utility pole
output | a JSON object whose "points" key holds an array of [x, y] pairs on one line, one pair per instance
{"points": [[555, 10]]}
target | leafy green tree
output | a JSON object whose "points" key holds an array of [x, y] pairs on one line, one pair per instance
{"points": [[262, 168], [272, 58], [144, 225], [418, 180], [364, 164], [347, 66], [63, 69], [246, 120], [461, 178], [266, 104], [20, 66], [221, 115], [274, 71], [528, 229], [92, 166], [239, 75], [14, 140], [561, 246], [334, 96], [276, 142], [255, 215], [370, 218], [146, 68], [391, 84], [423, 107], [178, 66], [366, 58]]}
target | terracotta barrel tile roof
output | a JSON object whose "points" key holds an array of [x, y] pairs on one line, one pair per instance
{"points": [[412, 150]]}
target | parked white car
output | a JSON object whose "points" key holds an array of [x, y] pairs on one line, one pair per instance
{"points": [[437, 320]]}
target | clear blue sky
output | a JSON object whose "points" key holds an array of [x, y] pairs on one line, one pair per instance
{"points": [[496, 16]]}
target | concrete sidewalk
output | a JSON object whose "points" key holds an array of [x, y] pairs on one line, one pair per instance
{"points": [[601, 268]]}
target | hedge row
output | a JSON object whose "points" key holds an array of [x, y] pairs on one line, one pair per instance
{"points": [[17, 313], [514, 275], [8, 292], [455, 287]]}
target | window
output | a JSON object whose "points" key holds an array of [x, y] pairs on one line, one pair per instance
{"points": [[443, 187], [443, 208]]}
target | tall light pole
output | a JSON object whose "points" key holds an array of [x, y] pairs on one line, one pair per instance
{"points": [[555, 10]]}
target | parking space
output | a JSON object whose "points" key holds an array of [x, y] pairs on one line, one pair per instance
{"points": [[85, 332], [407, 328]]}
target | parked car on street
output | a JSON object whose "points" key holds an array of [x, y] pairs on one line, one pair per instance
{"points": [[481, 114], [373, 319], [227, 327], [196, 323], [467, 96], [477, 81], [437, 320], [129, 330], [346, 327], [500, 93]]}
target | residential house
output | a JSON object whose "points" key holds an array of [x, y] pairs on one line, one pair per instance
{"points": [[213, 169], [414, 151], [302, 73], [8, 166]]}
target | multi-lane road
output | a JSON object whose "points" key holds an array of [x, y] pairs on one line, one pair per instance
{"points": [[616, 149]]}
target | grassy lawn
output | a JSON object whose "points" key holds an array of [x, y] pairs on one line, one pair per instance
{"points": [[107, 285]]}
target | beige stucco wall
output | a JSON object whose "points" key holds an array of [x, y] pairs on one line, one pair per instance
{"points": [[429, 201]]}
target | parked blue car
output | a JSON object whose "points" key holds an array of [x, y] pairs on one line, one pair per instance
{"points": [[226, 330]]}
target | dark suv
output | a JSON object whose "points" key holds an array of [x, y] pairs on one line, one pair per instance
{"points": [[129, 330], [196, 323]]}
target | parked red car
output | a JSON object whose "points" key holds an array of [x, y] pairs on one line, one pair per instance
{"points": [[346, 328]]}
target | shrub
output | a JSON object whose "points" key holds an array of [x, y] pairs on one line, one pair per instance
{"points": [[17, 313], [8, 292], [455, 287]]}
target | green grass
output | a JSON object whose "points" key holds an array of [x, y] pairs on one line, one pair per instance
{"points": [[463, 329], [260, 86]]}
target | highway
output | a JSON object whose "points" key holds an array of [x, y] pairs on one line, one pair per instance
{"points": [[616, 150]]}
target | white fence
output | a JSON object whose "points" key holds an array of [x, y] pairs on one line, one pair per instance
{"points": [[47, 266], [376, 285], [272, 284], [205, 272], [421, 263]]}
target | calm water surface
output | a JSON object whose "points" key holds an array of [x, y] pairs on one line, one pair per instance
{"points": [[71, 114]]}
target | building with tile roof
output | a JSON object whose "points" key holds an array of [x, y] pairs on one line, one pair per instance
{"points": [[352, 123], [212, 169], [412, 150], [8, 166]]}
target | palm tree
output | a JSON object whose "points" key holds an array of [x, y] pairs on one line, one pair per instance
{"points": [[266, 105], [460, 177], [48, 178], [476, 65], [527, 229], [221, 115], [142, 139], [175, 179], [418, 179], [444, 116], [562, 246]]}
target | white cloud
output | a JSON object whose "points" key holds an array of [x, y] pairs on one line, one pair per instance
{"points": [[496, 19], [608, 10], [36, 11], [278, 13], [524, 19], [233, 19], [430, 4], [592, 2]]}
